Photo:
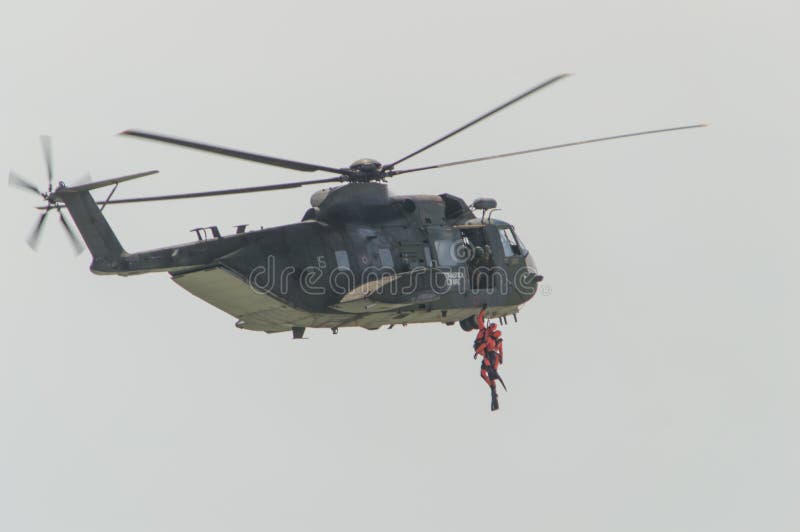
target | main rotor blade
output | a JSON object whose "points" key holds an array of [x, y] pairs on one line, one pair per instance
{"points": [[545, 148], [18, 181], [264, 159], [33, 239], [76, 243], [482, 117], [225, 192], [48, 160]]}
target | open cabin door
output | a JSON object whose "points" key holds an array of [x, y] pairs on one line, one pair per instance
{"points": [[482, 252]]}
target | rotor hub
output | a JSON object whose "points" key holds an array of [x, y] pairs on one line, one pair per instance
{"points": [[367, 170]]}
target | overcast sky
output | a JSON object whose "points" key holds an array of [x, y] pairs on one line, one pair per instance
{"points": [[653, 383]]}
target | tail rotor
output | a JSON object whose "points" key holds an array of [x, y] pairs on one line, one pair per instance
{"points": [[16, 180]]}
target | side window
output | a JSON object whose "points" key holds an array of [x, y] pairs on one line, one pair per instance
{"points": [[446, 253], [386, 258], [342, 262]]}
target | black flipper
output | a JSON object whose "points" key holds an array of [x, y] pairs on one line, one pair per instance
{"points": [[496, 376], [501, 382]]}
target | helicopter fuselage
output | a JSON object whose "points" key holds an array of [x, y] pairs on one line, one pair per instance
{"points": [[360, 257]]}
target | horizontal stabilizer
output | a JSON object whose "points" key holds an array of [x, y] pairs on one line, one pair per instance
{"points": [[105, 182]]}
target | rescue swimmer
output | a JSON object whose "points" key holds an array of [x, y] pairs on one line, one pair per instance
{"points": [[489, 345]]}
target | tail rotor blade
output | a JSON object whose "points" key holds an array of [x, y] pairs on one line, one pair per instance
{"points": [[76, 243], [48, 160], [18, 181], [33, 239]]}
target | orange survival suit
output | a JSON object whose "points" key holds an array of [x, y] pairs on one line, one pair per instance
{"points": [[489, 345]]}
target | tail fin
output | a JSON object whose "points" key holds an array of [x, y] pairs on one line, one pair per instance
{"points": [[106, 250], [93, 226]]}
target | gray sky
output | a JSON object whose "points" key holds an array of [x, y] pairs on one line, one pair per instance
{"points": [[654, 388]]}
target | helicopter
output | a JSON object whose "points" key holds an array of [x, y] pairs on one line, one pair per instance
{"points": [[359, 256]]}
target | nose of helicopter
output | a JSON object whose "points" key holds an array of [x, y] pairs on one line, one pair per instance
{"points": [[529, 262]]}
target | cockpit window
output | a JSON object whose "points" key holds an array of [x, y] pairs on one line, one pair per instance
{"points": [[522, 249], [511, 244]]}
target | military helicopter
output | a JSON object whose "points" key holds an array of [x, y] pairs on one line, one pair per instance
{"points": [[359, 257]]}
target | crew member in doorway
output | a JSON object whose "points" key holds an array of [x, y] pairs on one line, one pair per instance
{"points": [[489, 345]]}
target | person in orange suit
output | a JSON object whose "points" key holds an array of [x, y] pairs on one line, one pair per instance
{"points": [[489, 345]]}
